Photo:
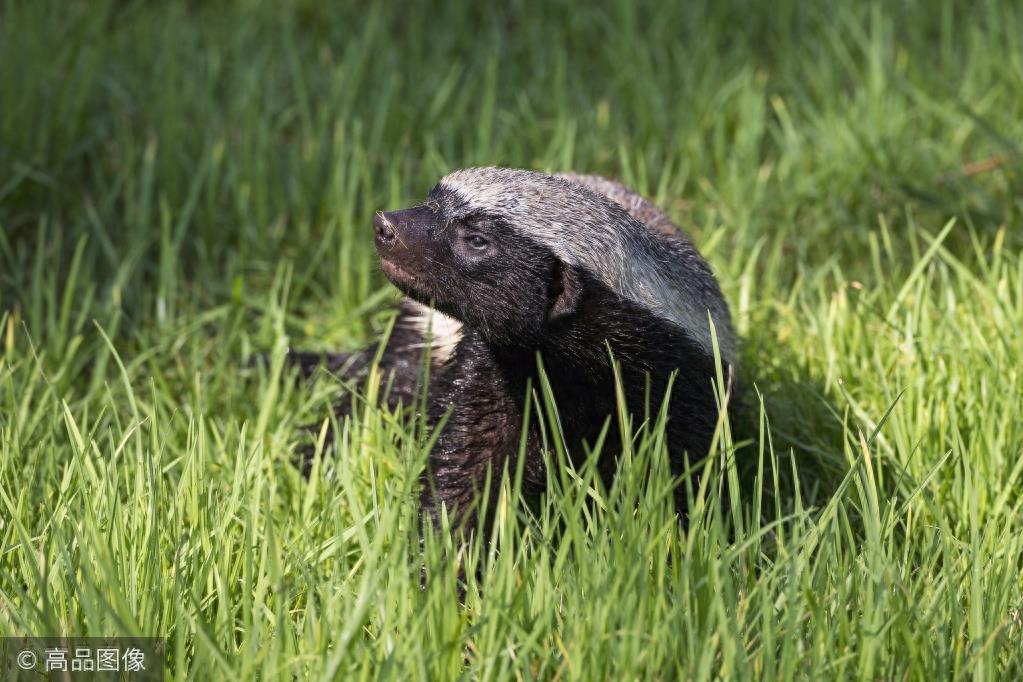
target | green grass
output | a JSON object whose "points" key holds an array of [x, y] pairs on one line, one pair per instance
{"points": [[182, 185]]}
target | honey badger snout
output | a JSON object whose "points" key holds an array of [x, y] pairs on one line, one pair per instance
{"points": [[405, 241], [409, 229], [383, 229]]}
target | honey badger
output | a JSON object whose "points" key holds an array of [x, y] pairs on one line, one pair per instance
{"points": [[499, 265]]}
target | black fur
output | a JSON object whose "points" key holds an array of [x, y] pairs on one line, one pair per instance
{"points": [[516, 301]]}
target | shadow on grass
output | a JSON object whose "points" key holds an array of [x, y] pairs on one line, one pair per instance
{"points": [[811, 442]]}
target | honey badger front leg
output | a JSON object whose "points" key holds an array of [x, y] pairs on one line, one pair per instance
{"points": [[341, 364], [483, 405], [418, 335]]}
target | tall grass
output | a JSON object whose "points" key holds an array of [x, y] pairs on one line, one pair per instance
{"points": [[183, 184]]}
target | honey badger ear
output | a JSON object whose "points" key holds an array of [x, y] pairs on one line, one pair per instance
{"points": [[564, 291]]}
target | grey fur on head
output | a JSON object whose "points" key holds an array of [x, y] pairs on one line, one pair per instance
{"points": [[610, 232]]}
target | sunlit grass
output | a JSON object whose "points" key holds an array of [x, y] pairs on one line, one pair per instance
{"points": [[182, 185]]}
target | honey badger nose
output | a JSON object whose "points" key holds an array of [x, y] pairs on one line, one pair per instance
{"points": [[383, 229]]}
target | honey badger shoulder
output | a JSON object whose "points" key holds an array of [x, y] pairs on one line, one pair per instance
{"points": [[500, 265]]}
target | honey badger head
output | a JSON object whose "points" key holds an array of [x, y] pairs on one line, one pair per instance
{"points": [[508, 252]]}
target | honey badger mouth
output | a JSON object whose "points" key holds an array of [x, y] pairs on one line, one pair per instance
{"points": [[398, 275], [410, 283]]}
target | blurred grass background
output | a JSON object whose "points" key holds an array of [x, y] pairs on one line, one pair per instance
{"points": [[182, 184]]}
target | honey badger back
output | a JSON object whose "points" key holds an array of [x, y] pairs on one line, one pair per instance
{"points": [[501, 264]]}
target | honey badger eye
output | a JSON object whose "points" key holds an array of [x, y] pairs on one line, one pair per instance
{"points": [[477, 241]]}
